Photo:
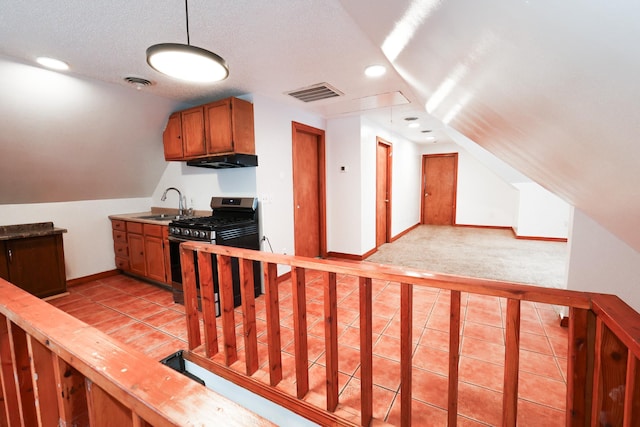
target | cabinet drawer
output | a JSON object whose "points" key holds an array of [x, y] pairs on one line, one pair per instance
{"points": [[134, 227], [119, 236], [122, 263], [118, 224], [121, 249], [153, 230]]}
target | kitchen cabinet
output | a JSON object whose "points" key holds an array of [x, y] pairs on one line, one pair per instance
{"points": [[229, 127], [142, 249], [219, 127], [193, 143], [34, 263], [154, 252], [172, 138]]}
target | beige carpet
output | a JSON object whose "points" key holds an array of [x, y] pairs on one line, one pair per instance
{"points": [[478, 252]]}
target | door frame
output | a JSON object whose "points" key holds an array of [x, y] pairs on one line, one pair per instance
{"points": [[322, 182], [424, 184], [389, 146]]}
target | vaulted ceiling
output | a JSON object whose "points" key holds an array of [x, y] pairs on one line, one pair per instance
{"points": [[549, 87]]}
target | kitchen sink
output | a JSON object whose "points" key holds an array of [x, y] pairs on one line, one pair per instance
{"points": [[162, 217]]}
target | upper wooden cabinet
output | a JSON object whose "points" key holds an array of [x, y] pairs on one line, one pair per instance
{"points": [[220, 127], [172, 138]]}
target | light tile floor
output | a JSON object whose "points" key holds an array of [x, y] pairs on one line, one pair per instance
{"points": [[145, 317]]}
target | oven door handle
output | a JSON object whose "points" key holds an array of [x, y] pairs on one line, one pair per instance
{"points": [[178, 239]]}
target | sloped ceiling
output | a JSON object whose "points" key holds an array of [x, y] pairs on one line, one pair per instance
{"points": [[548, 87]]}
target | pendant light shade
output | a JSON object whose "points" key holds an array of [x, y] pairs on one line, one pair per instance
{"points": [[186, 62]]}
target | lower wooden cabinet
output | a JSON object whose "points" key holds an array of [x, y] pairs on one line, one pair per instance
{"points": [[141, 249], [35, 264]]}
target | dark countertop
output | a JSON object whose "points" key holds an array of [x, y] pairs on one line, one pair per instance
{"points": [[22, 231]]}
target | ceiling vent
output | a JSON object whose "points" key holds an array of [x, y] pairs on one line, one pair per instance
{"points": [[315, 92], [138, 82]]}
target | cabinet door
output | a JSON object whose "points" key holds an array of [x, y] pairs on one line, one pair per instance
{"points": [[136, 254], [218, 127], [37, 265], [172, 138], [154, 256], [193, 132], [4, 267]]}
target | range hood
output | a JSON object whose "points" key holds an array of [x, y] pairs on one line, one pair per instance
{"points": [[225, 161]]}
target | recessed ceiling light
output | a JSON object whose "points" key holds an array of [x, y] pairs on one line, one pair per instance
{"points": [[414, 125], [410, 119], [54, 64], [426, 131], [375, 70]]}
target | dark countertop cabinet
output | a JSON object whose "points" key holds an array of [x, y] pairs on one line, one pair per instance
{"points": [[32, 258]]}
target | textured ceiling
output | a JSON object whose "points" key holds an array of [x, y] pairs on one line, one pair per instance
{"points": [[549, 87]]}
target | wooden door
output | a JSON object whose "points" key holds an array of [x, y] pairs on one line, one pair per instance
{"points": [[154, 258], [309, 215], [383, 192], [439, 182]]}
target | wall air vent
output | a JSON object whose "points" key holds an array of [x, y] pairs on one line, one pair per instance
{"points": [[315, 93]]}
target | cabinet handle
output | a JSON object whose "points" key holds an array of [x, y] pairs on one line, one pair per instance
{"points": [[10, 256]]}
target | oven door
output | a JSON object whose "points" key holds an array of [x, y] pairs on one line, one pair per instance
{"points": [[176, 269], [176, 274]]}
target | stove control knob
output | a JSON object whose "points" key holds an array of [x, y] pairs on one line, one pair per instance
{"points": [[186, 232], [203, 234]]}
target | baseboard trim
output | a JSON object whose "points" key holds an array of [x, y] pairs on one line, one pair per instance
{"points": [[399, 235], [86, 279], [545, 239], [351, 257], [283, 277], [494, 227]]}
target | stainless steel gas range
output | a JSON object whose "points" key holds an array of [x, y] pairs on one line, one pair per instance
{"points": [[233, 222]]}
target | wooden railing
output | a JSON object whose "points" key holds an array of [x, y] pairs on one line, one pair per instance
{"points": [[58, 371], [603, 381]]}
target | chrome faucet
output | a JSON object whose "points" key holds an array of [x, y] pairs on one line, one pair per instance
{"points": [[180, 202]]}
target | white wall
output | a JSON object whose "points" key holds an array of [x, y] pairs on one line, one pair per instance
{"points": [[483, 198], [88, 243], [351, 195], [541, 213], [344, 204], [600, 262]]}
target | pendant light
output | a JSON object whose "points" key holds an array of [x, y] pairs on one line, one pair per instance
{"points": [[186, 62]]}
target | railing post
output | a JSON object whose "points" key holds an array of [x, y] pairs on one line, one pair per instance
{"points": [[249, 315], [190, 297], [273, 323], [9, 389], [207, 296], [406, 352], [331, 339], [580, 367], [72, 399], [609, 377], [225, 289], [44, 383], [454, 358], [632, 393], [22, 374], [511, 364], [300, 331], [366, 350]]}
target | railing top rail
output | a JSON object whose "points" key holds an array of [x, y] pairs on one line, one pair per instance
{"points": [[407, 275], [159, 395], [620, 318]]}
